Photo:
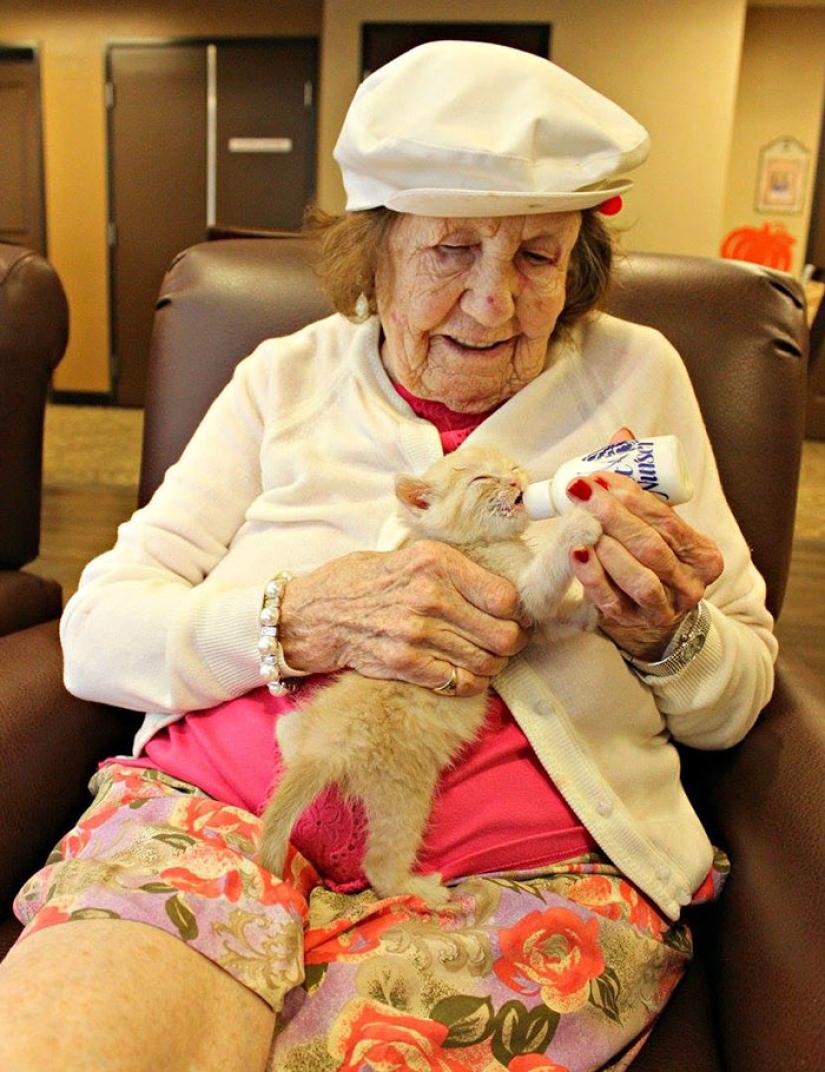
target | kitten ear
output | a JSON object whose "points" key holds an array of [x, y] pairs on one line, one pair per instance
{"points": [[413, 492]]}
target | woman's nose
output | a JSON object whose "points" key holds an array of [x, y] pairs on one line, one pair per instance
{"points": [[491, 292]]}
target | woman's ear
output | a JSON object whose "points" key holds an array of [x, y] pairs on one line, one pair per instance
{"points": [[413, 492]]}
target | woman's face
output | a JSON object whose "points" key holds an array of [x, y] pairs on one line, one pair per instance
{"points": [[467, 306]]}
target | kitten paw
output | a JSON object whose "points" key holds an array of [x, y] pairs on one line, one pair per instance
{"points": [[583, 530], [428, 887], [584, 617]]}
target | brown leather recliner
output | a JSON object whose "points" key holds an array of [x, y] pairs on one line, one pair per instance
{"points": [[753, 998], [34, 330]]}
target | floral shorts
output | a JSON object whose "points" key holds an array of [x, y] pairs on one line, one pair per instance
{"points": [[561, 971]]}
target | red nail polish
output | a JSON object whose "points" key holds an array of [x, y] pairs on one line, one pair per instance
{"points": [[581, 554], [580, 490], [600, 480]]}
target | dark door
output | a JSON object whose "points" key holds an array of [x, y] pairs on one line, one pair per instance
{"points": [[157, 161], [21, 173], [265, 134], [200, 134], [384, 41]]}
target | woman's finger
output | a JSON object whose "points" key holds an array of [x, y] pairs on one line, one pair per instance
{"points": [[405, 614], [648, 569], [660, 587], [610, 601], [652, 532], [631, 627]]}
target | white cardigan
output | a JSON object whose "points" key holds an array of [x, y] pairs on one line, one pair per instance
{"points": [[294, 465]]}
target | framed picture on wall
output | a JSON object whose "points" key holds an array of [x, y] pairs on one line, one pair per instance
{"points": [[783, 173]]}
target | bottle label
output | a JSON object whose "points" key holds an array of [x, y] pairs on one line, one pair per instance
{"points": [[635, 458]]}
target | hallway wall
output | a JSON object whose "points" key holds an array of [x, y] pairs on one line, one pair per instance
{"points": [[72, 36], [676, 67]]}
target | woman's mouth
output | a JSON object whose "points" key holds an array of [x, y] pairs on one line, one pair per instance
{"points": [[478, 347]]}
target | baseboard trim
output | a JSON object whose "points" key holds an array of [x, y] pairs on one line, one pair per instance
{"points": [[80, 398]]}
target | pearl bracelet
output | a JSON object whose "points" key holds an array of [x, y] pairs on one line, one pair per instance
{"points": [[273, 664]]}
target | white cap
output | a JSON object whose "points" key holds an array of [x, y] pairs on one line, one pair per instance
{"points": [[465, 128]]}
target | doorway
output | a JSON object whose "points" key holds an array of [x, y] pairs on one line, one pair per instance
{"points": [[384, 41], [201, 134], [22, 211]]}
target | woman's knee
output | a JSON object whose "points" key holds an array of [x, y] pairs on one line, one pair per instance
{"points": [[73, 993]]}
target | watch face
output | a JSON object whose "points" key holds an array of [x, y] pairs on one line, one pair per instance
{"points": [[689, 642]]}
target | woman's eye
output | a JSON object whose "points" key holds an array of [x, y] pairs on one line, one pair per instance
{"points": [[451, 258], [540, 260]]}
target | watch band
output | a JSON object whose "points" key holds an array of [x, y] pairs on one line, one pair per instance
{"points": [[683, 648]]}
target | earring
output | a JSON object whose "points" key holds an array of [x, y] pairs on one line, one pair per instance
{"points": [[362, 308]]}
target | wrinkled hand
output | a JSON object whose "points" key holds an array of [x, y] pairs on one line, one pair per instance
{"points": [[411, 614], [649, 568]]}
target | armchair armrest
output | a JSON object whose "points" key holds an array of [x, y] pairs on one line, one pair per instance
{"points": [[34, 330], [768, 799], [26, 600], [50, 744]]}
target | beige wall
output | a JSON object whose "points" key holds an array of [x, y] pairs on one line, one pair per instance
{"points": [[781, 94], [674, 66], [72, 49]]}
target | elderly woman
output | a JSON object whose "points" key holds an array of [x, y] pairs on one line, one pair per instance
{"points": [[466, 273]]}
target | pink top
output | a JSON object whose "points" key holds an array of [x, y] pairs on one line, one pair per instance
{"points": [[496, 808]]}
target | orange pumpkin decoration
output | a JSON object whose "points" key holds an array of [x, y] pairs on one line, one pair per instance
{"points": [[771, 245]]}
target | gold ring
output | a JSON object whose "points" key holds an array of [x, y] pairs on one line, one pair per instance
{"points": [[450, 685]]}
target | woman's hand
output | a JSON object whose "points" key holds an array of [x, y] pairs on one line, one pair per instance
{"points": [[411, 614], [648, 569]]}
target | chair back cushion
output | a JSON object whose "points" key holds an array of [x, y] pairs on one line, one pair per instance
{"points": [[740, 330], [217, 301], [34, 330]]}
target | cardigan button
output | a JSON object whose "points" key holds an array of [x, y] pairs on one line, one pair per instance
{"points": [[605, 808], [663, 872]]}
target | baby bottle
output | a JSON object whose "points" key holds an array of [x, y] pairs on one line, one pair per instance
{"points": [[657, 464]]}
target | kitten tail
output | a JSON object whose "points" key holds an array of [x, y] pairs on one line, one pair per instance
{"points": [[296, 791]]}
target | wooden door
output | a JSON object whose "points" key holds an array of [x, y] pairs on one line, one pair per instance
{"points": [[157, 189], [200, 133], [384, 41], [22, 216], [265, 133]]}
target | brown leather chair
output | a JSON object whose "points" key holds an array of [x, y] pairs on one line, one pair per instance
{"points": [[34, 330], [753, 998]]}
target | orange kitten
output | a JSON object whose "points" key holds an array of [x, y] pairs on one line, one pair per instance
{"points": [[386, 742]]}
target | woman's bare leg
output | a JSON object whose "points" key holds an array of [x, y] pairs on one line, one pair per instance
{"points": [[117, 996]]}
